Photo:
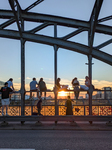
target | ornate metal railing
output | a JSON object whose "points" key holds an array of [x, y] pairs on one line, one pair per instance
{"points": [[100, 106], [49, 110]]}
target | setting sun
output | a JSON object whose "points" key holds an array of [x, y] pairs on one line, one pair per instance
{"points": [[62, 93]]}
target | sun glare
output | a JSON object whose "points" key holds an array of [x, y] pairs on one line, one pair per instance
{"points": [[62, 93]]}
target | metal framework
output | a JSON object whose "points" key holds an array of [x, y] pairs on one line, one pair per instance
{"points": [[16, 14]]}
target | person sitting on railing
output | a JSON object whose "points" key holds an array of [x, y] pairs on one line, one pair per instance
{"points": [[42, 87], [58, 85], [34, 87], [75, 84], [5, 97], [87, 84], [69, 106]]}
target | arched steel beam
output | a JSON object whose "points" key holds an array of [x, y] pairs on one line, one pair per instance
{"points": [[105, 19], [17, 15], [76, 47], [36, 17], [104, 44], [93, 21], [12, 20]]}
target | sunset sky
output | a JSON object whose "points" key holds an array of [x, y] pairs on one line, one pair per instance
{"points": [[39, 58]]}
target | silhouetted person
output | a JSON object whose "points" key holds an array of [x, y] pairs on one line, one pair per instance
{"points": [[42, 87], [10, 83], [87, 84], [5, 97], [75, 84], [34, 87], [58, 85], [69, 106], [39, 106]]}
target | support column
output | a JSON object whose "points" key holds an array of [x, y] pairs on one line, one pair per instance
{"points": [[90, 77], [22, 72], [55, 70], [22, 77]]}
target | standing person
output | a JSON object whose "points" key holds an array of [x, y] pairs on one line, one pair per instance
{"points": [[39, 106], [5, 97], [75, 84], [34, 87], [10, 83], [42, 87], [69, 106]]}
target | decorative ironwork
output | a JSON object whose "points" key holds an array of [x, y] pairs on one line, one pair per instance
{"points": [[105, 110], [27, 110], [95, 110], [78, 110], [86, 110], [62, 110], [50, 110], [14, 111]]}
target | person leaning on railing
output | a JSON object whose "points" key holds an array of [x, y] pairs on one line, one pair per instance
{"points": [[5, 97]]}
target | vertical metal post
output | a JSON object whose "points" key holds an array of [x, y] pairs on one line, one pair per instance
{"points": [[55, 70], [22, 72], [90, 77]]}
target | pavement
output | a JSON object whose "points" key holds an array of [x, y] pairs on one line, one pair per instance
{"points": [[44, 125]]}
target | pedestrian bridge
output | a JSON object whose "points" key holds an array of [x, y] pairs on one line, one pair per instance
{"points": [[16, 14]]}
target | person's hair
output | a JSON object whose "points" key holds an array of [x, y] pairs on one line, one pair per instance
{"points": [[58, 79], [87, 77], [68, 97], [73, 80], [5, 83], [10, 79], [34, 78], [41, 79]]}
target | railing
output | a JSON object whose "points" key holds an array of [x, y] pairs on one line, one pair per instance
{"points": [[100, 107]]}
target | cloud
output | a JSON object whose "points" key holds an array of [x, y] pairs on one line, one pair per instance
{"points": [[28, 78], [101, 83]]}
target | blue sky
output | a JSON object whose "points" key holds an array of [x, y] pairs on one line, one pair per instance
{"points": [[39, 59]]}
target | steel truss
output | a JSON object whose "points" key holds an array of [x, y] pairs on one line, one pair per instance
{"points": [[16, 14]]}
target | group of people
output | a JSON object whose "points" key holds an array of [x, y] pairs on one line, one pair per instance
{"points": [[38, 87], [34, 86], [76, 85]]}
